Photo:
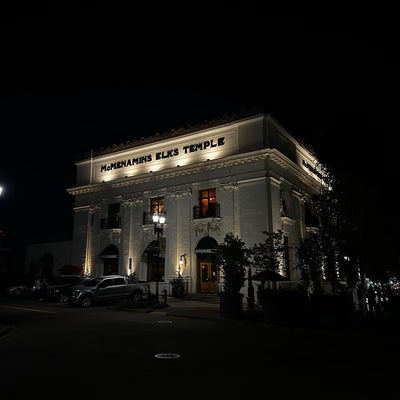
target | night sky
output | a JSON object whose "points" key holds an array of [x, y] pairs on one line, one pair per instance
{"points": [[331, 83]]}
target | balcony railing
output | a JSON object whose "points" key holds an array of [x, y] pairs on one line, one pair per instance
{"points": [[210, 211], [106, 223]]}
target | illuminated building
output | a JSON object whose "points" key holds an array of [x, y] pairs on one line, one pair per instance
{"points": [[243, 174]]}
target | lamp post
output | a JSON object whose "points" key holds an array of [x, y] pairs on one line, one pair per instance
{"points": [[159, 220]]}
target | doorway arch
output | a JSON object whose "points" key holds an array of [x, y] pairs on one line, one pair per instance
{"points": [[155, 260], [110, 257], [207, 270], [46, 265]]}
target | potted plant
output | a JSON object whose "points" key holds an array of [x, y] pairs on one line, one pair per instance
{"points": [[279, 305], [232, 258], [178, 287]]}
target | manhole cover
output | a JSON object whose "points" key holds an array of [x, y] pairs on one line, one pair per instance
{"points": [[167, 355], [164, 321]]}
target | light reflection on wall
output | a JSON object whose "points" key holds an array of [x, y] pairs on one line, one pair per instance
{"points": [[174, 154]]}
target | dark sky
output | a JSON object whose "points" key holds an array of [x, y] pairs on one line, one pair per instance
{"points": [[331, 81]]}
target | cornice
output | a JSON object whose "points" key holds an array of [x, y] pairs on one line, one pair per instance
{"points": [[272, 154], [173, 133]]}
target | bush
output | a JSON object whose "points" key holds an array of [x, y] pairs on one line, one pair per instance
{"points": [[178, 287], [232, 258]]}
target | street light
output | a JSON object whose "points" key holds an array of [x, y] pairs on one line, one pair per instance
{"points": [[159, 220]]}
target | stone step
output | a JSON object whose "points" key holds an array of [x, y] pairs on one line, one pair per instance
{"points": [[212, 298]]}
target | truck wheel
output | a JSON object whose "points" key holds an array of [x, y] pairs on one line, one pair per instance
{"points": [[86, 302], [137, 296]]}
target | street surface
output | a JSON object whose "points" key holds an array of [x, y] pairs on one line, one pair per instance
{"points": [[55, 351]]}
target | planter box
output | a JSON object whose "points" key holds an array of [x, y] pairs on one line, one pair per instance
{"points": [[287, 307], [231, 305], [178, 292]]}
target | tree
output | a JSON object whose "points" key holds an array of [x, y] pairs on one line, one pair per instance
{"points": [[327, 208], [310, 261], [268, 259], [232, 257], [329, 250], [287, 305]]}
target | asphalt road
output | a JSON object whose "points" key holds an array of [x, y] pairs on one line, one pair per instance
{"points": [[55, 351]]}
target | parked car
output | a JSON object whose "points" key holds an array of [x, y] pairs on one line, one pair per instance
{"points": [[57, 287], [106, 288], [19, 290]]}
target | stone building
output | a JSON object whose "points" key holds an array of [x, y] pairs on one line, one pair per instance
{"points": [[243, 174]]}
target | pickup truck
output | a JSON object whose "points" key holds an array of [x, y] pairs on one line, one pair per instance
{"points": [[107, 288]]}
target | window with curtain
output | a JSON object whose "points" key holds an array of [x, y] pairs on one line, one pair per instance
{"points": [[157, 205], [207, 202]]}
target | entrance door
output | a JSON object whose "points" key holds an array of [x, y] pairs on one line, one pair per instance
{"points": [[110, 266], [208, 277]]}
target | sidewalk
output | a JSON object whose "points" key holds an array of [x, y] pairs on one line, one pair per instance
{"points": [[178, 307], [190, 309], [194, 309]]}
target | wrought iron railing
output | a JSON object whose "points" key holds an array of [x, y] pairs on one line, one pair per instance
{"points": [[106, 223], [211, 211]]}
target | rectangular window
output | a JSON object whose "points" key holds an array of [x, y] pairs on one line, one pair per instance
{"points": [[156, 262], [311, 219], [156, 205], [207, 203], [113, 219]]}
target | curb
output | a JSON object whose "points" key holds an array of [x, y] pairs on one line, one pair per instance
{"points": [[173, 313]]}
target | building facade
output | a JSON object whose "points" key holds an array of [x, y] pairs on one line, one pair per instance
{"points": [[48, 259], [243, 174]]}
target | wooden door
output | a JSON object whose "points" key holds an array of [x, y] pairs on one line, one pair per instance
{"points": [[208, 277]]}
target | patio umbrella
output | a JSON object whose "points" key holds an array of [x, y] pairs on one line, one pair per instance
{"points": [[269, 275]]}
